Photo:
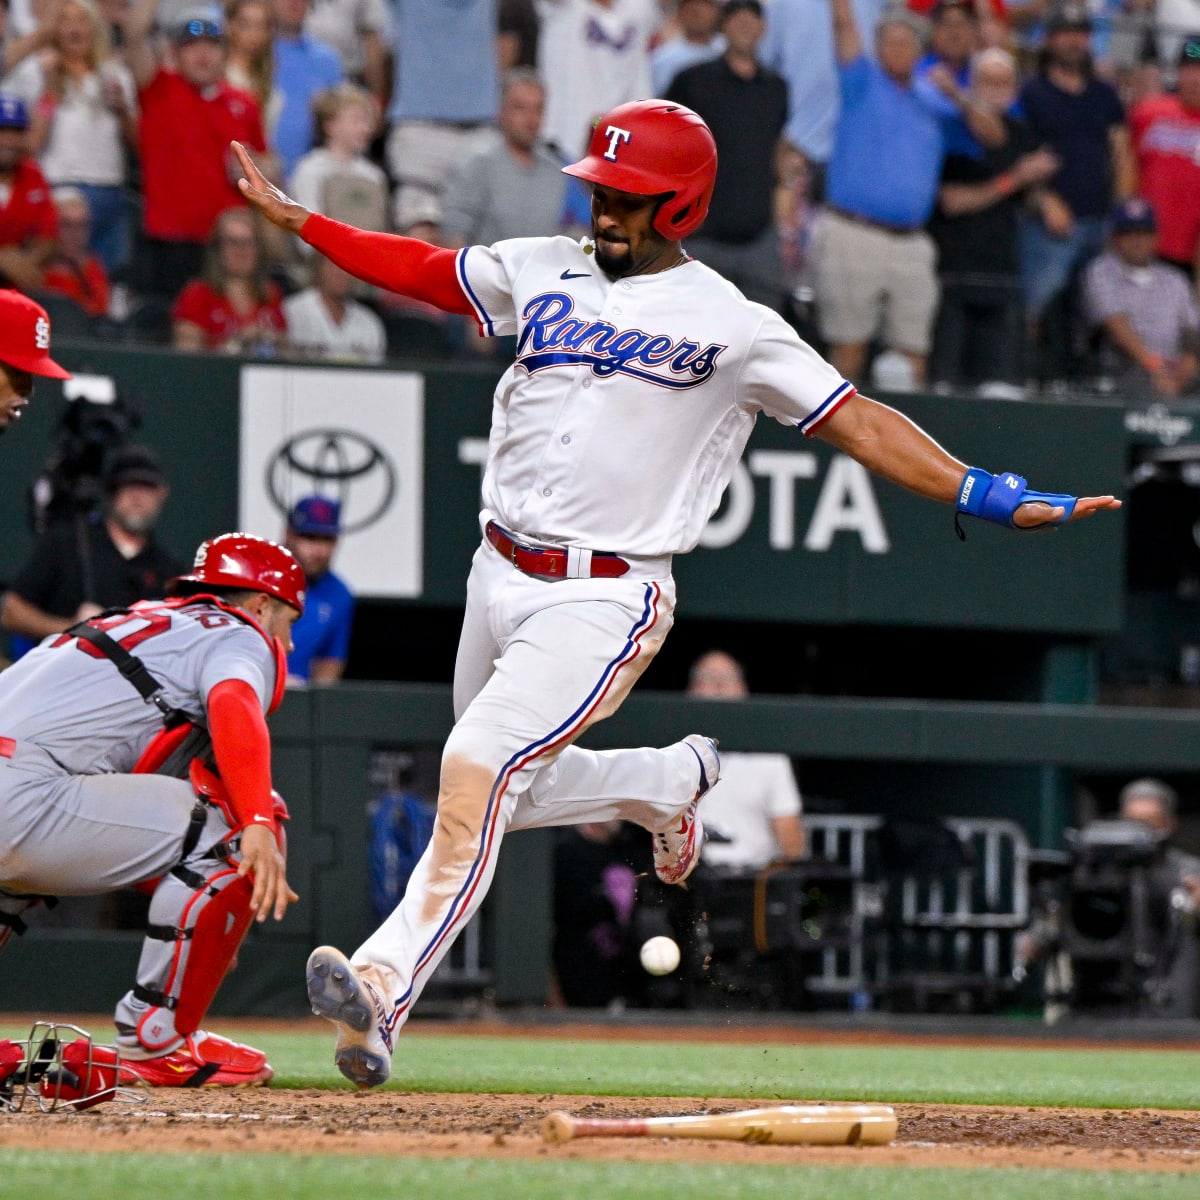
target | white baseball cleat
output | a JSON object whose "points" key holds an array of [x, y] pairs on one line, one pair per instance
{"points": [[340, 994], [677, 848]]}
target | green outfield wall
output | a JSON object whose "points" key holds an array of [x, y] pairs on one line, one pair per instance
{"points": [[804, 534]]}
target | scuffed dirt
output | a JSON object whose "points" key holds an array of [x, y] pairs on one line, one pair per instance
{"points": [[267, 1120]]}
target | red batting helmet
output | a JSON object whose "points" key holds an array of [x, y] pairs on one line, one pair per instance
{"points": [[654, 148], [25, 336], [242, 560]]}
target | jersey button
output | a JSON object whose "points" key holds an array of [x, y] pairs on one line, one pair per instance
{"points": [[616, 311], [547, 492], [627, 286], [587, 383], [566, 439]]}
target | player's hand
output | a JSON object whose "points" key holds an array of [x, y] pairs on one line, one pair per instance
{"points": [[263, 861], [1035, 513], [279, 208]]}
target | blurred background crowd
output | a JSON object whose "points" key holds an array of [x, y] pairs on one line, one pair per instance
{"points": [[965, 195]]}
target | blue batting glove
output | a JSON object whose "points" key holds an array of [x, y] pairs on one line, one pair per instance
{"points": [[997, 497]]}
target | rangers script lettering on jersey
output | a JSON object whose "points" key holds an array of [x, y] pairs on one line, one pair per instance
{"points": [[553, 337]]}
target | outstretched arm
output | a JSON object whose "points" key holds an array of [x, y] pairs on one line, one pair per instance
{"points": [[889, 444], [396, 264], [847, 38]]}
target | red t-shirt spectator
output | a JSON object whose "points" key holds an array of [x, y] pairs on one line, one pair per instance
{"points": [[184, 143], [212, 312], [1166, 140], [87, 285], [27, 212]]}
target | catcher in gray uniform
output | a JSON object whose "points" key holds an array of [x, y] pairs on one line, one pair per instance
{"points": [[134, 751]]}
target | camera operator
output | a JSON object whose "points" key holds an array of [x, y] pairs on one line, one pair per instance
{"points": [[1126, 926], [1154, 803], [96, 560]]}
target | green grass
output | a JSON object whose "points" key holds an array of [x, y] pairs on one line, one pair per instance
{"points": [[968, 1075], [307, 1177], [1089, 1078]]}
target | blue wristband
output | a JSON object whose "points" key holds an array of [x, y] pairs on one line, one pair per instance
{"points": [[997, 497]]}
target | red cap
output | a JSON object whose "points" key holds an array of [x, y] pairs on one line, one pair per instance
{"points": [[25, 336]]}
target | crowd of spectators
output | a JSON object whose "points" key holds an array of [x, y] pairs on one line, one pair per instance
{"points": [[936, 194]]}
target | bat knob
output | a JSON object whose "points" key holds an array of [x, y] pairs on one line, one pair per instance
{"points": [[557, 1127]]}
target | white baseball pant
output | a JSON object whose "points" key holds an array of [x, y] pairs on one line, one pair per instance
{"points": [[538, 662]]}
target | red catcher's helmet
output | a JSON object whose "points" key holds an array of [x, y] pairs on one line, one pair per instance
{"points": [[242, 560], [655, 148]]}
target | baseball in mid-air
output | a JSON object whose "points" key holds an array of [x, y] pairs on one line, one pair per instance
{"points": [[660, 955]]}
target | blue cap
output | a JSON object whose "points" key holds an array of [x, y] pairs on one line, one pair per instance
{"points": [[316, 516], [1134, 216], [13, 113]]}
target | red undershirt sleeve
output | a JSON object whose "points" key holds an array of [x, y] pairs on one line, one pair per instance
{"points": [[242, 747], [397, 264]]}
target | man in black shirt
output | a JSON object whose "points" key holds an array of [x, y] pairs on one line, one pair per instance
{"points": [[1081, 118], [745, 105], [82, 566], [979, 335]]}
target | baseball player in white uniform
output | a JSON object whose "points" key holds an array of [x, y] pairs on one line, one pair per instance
{"points": [[134, 751], [638, 377]]}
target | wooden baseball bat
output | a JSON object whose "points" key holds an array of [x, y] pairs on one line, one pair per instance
{"points": [[788, 1124]]}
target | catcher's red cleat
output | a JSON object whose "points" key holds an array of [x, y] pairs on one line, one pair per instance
{"points": [[204, 1060]]}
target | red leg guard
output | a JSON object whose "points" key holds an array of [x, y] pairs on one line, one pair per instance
{"points": [[211, 927], [220, 926]]}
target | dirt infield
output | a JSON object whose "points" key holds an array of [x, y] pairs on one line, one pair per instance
{"points": [[264, 1120], [307, 1121]]}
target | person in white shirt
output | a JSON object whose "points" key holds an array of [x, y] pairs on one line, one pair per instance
{"points": [[85, 120], [593, 55], [324, 321], [756, 805]]}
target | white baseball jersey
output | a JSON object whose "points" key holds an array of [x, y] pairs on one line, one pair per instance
{"points": [[619, 424], [592, 58], [78, 709]]}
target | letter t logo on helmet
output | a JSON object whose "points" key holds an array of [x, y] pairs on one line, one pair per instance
{"points": [[666, 150], [615, 138]]}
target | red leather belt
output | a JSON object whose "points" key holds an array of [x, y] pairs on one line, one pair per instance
{"points": [[549, 562], [8, 747]]}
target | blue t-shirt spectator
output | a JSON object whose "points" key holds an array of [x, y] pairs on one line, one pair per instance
{"points": [[798, 43], [887, 155], [303, 67], [445, 56], [324, 630]]}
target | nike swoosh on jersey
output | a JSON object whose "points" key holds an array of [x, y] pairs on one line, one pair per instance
{"points": [[575, 275]]}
